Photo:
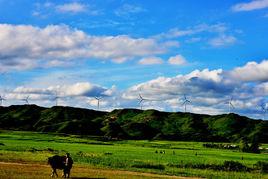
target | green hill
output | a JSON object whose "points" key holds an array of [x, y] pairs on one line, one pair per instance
{"points": [[133, 123]]}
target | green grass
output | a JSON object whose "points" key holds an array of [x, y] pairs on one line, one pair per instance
{"points": [[32, 147]]}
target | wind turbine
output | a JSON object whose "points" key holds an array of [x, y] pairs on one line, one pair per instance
{"points": [[185, 102], [98, 100], [26, 100], [264, 109], [1, 100], [230, 104], [141, 99]]}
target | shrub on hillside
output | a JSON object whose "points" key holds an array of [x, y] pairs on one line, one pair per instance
{"points": [[245, 147], [262, 166], [226, 166], [234, 166]]}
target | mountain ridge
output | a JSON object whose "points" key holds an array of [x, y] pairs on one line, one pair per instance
{"points": [[134, 123]]}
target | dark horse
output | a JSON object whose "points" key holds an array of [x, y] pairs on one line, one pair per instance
{"points": [[58, 162]]}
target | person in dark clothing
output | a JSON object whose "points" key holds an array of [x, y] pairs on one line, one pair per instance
{"points": [[68, 163]]}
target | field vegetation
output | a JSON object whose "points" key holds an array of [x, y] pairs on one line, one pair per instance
{"points": [[188, 159]]}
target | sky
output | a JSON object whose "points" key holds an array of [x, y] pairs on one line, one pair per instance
{"points": [[213, 53]]}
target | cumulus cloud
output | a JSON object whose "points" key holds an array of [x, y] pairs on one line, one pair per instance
{"points": [[251, 72], [208, 90], [250, 6], [74, 7], [26, 46], [80, 94], [150, 61], [177, 60], [84, 89], [205, 81], [222, 40]]}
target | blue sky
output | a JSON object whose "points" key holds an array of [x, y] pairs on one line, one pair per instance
{"points": [[212, 51]]}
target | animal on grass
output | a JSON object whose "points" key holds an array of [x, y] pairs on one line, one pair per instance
{"points": [[59, 162]]}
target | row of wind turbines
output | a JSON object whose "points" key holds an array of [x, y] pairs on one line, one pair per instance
{"points": [[26, 100], [186, 102], [141, 100], [98, 98]]}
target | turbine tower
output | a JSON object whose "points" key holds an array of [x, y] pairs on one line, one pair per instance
{"points": [[26, 100], [56, 98], [185, 102], [98, 100], [1, 100], [230, 104]]}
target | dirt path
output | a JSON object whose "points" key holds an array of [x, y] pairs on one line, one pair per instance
{"points": [[23, 170]]}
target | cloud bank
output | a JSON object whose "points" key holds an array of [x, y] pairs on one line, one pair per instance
{"points": [[208, 90], [25, 46]]}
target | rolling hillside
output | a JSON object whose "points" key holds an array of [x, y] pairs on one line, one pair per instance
{"points": [[133, 124]]}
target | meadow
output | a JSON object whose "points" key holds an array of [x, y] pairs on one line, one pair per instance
{"points": [[187, 159]]}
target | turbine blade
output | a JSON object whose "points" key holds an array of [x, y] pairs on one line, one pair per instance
{"points": [[140, 96]]}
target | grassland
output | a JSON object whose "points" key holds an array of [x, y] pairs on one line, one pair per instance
{"points": [[129, 155]]}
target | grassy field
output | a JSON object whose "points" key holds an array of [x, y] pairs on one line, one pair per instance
{"points": [[158, 157]]}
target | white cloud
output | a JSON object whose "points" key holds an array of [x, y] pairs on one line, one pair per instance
{"points": [[82, 89], [150, 61], [177, 60], [219, 33], [29, 90], [222, 40], [128, 9], [72, 8], [208, 90], [85, 89], [176, 32], [204, 81], [49, 9], [261, 89], [250, 6], [26, 46], [80, 94], [252, 71]]}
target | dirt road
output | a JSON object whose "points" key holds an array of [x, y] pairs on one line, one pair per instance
{"points": [[23, 170]]}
